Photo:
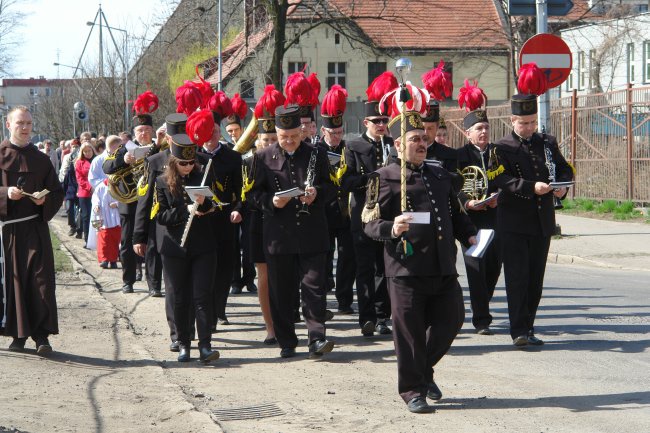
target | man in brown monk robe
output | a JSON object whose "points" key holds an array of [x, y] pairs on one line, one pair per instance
{"points": [[28, 299]]}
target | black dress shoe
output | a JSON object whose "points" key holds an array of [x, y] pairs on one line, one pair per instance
{"points": [[288, 352], [382, 328], [520, 341], [329, 315], [346, 310], [79, 235], [235, 289], [252, 288], [433, 392], [419, 405], [72, 232], [103, 265], [320, 347], [368, 329], [223, 321], [175, 346], [534, 341], [484, 331], [206, 354], [127, 288], [155, 293], [113, 265], [17, 345], [138, 275], [43, 347], [270, 341], [184, 353]]}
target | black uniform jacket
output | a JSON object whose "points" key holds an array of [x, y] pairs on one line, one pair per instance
{"points": [[470, 155], [113, 163], [286, 231], [155, 165], [518, 167], [446, 155], [226, 176], [337, 210], [172, 217], [428, 189], [362, 157]]}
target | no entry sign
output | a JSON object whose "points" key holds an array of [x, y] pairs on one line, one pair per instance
{"points": [[551, 54]]}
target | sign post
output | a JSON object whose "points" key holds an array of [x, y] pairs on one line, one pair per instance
{"points": [[553, 56]]}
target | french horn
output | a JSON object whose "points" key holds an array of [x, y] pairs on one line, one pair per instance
{"points": [[475, 182]]}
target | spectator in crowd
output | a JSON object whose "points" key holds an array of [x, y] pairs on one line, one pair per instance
{"points": [[49, 150], [68, 178], [108, 223], [84, 189]]}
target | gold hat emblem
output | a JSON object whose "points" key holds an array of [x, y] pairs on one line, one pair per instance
{"points": [[415, 121], [481, 115], [188, 152], [528, 105], [337, 121], [268, 125], [285, 121]]}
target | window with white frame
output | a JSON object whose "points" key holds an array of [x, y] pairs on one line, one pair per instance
{"points": [[592, 69], [569, 82], [335, 74], [582, 71], [630, 63], [646, 61]]}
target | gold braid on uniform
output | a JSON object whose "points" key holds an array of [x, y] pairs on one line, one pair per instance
{"points": [[247, 183], [494, 162], [573, 169], [154, 206], [340, 171], [143, 182], [371, 210]]}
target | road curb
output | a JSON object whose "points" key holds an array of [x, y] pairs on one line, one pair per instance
{"points": [[565, 259]]}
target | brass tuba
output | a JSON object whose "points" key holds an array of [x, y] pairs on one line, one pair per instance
{"points": [[475, 182], [247, 139]]}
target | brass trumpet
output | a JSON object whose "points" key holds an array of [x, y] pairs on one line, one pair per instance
{"points": [[247, 139], [475, 182]]}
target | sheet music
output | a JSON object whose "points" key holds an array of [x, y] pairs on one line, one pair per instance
{"points": [[483, 239], [292, 192]]}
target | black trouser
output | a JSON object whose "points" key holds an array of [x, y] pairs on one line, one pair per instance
{"points": [[341, 240], [84, 207], [152, 260], [427, 312], [524, 263], [372, 293], [243, 270], [191, 279], [170, 298], [283, 286], [225, 262], [482, 277], [73, 208], [128, 257]]}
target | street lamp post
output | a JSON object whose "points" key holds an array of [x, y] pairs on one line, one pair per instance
{"points": [[125, 65]]}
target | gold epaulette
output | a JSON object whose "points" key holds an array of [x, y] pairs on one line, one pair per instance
{"points": [[371, 210], [491, 174], [155, 206], [246, 187], [142, 190]]}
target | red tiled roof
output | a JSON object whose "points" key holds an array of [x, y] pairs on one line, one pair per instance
{"points": [[420, 24]]}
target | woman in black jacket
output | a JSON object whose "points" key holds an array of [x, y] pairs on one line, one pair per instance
{"points": [[189, 268]]}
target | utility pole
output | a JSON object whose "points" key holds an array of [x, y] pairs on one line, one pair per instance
{"points": [[544, 111]]}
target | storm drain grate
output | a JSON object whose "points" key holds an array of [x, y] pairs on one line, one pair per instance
{"points": [[250, 412]]}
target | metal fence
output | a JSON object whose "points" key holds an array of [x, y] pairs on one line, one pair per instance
{"points": [[606, 136]]}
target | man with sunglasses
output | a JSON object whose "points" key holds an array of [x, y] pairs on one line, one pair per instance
{"points": [[426, 299], [363, 156]]}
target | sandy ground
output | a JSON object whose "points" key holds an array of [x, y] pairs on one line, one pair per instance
{"points": [[112, 371]]}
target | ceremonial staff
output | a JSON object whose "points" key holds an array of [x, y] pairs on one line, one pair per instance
{"points": [[403, 67]]}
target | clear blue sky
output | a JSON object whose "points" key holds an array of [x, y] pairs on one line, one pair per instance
{"points": [[52, 25]]}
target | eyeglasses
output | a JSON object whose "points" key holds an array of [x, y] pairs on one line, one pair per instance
{"points": [[414, 140], [379, 120], [185, 163], [333, 133]]}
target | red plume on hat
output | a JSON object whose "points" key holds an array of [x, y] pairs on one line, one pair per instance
{"points": [[315, 87], [145, 103], [471, 96], [239, 106], [381, 85], [438, 82], [334, 102], [200, 126], [188, 98], [270, 100], [298, 90], [220, 104], [205, 88], [532, 81]]}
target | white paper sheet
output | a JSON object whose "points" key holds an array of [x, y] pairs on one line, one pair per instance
{"points": [[483, 239], [419, 217]]}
